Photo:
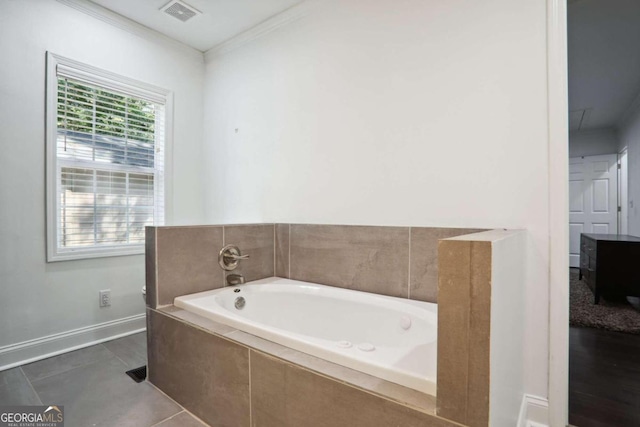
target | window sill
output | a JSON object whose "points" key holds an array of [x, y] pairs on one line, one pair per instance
{"points": [[103, 252]]}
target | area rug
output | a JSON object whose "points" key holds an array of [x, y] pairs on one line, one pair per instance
{"points": [[618, 316]]}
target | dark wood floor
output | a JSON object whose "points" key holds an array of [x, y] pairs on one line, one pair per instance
{"points": [[604, 378]]}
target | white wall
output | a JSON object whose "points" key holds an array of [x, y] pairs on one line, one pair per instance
{"points": [[391, 113], [593, 142], [507, 327], [39, 299], [630, 137]]}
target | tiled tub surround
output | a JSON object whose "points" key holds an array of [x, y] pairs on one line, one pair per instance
{"points": [[230, 378], [479, 346], [392, 338], [394, 261], [184, 260]]}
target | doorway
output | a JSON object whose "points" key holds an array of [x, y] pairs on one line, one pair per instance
{"points": [[593, 199], [604, 241], [623, 192]]}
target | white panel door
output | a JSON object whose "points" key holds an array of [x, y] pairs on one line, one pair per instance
{"points": [[593, 207]]}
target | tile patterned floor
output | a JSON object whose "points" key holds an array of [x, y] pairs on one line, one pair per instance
{"points": [[92, 385]]}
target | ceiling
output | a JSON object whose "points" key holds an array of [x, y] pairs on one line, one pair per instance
{"points": [[220, 19], [603, 45], [604, 61]]}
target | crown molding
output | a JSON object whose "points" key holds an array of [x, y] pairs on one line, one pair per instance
{"points": [[105, 15], [282, 19]]}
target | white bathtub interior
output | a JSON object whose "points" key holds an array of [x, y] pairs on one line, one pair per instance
{"points": [[391, 338]]}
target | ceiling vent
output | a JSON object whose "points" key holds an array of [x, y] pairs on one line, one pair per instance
{"points": [[180, 10]]}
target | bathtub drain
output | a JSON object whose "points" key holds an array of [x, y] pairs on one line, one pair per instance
{"points": [[240, 302]]}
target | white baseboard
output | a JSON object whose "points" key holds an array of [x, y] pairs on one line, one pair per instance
{"points": [[40, 348], [534, 412]]}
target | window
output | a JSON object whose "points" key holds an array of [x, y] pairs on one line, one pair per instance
{"points": [[105, 161]]}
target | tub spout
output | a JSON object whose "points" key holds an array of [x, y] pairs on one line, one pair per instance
{"points": [[235, 279]]}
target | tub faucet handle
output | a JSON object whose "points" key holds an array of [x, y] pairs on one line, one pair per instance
{"points": [[229, 257], [235, 257]]}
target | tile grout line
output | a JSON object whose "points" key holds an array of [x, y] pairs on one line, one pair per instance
{"points": [[466, 397], [168, 418], [117, 357], [409, 268], [155, 267], [185, 410], [289, 254], [30, 385], [250, 408], [177, 404], [224, 278], [72, 369]]}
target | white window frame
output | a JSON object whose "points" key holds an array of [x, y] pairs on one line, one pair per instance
{"points": [[110, 81]]}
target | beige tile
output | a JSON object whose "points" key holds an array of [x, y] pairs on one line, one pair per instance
{"points": [[479, 335], [150, 266], [282, 250], [283, 395], [197, 320], [423, 284], [257, 241], [206, 374], [358, 379], [149, 338], [257, 343], [187, 261], [453, 328], [371, 259], [170, 309]]}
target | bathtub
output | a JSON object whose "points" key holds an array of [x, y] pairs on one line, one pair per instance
{"points": [[391, 338]]}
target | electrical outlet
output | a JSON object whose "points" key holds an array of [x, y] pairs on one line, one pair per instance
{"points": [[105, 298]]}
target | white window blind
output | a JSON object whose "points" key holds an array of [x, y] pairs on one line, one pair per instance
{"points": [[109, 166]]}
